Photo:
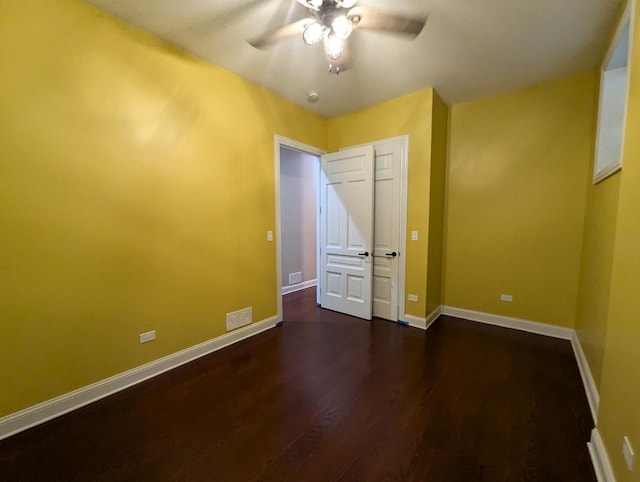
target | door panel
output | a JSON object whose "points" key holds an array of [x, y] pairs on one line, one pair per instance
{"points": [[335, 211], [346, 220], [387, 222]]}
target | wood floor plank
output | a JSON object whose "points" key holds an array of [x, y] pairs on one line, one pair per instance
{"points": [[329, 397]]}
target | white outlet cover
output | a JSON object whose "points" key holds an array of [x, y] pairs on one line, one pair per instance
{"points": [[412, 297], [508, 298], [269, 235], [414, 235], [148, 336]]}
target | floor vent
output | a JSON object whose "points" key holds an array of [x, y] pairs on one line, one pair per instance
{"points": [[239, 318]]}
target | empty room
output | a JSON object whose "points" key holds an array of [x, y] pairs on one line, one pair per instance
{"points": [[319, 240]]}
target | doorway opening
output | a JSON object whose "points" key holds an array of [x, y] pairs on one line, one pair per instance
{"points": [[297, 168], [299, 176], [298, 219]]}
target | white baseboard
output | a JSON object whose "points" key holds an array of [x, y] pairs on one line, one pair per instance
{"points": [[587, 378], [37, 414], [508, 322], [422, 323], [415, 321], [433, 316], [600, 458], [299, 286]]}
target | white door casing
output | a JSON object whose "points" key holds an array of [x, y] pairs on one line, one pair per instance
{"points": [[346, 226]]}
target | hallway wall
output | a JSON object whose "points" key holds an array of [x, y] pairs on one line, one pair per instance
{"points": [[299, 208]]}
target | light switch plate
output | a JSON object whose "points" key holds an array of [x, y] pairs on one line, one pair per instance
{"points": [[414, 235]]}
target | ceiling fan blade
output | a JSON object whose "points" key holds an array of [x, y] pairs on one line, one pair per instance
{"points": [[388, 22], [305, 4], [209, 23], [271, 37]]}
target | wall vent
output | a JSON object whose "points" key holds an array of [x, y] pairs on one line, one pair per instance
{"points": [[295, 278], [239, 318]]}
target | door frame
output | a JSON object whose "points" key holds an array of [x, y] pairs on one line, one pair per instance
{"points": [[280, 142], [404, 183]]}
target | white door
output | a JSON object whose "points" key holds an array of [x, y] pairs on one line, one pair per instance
{"points": [[386, 252], [346, 225]]}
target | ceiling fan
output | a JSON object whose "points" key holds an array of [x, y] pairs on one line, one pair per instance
{"points": [[333, 21]]}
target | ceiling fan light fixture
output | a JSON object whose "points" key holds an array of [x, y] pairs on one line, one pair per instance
{"points": [[313, 33], [342, 27], [333, 46]]}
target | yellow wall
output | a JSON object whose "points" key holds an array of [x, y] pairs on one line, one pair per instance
{"points": [[136, 189], [620, 386], [517, 174], [435, 257], [134, 179], [595, 276], [412, 115]]}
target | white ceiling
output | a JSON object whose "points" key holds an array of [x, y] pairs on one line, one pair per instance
{"points": [[469, 48]]}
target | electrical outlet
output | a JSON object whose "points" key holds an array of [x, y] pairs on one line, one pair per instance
{"points": [[412, 297], [148, 336], [269, 235], [508, 298], [628, 453]]}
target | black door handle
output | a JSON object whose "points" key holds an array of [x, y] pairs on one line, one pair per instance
{"points": [[365, 254], [393, 255]]}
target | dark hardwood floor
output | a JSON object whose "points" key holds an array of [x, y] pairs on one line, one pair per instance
{"points": [[328, 397]]}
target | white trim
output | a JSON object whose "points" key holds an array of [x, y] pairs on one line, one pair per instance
{"points": [[318, 253], [415, 321], [37, 414], [508, 322], [404, 194], [299, 286], [600, 458], [433, 316], [627, 19], [279, 142], [587, 377], [423, 323]]}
